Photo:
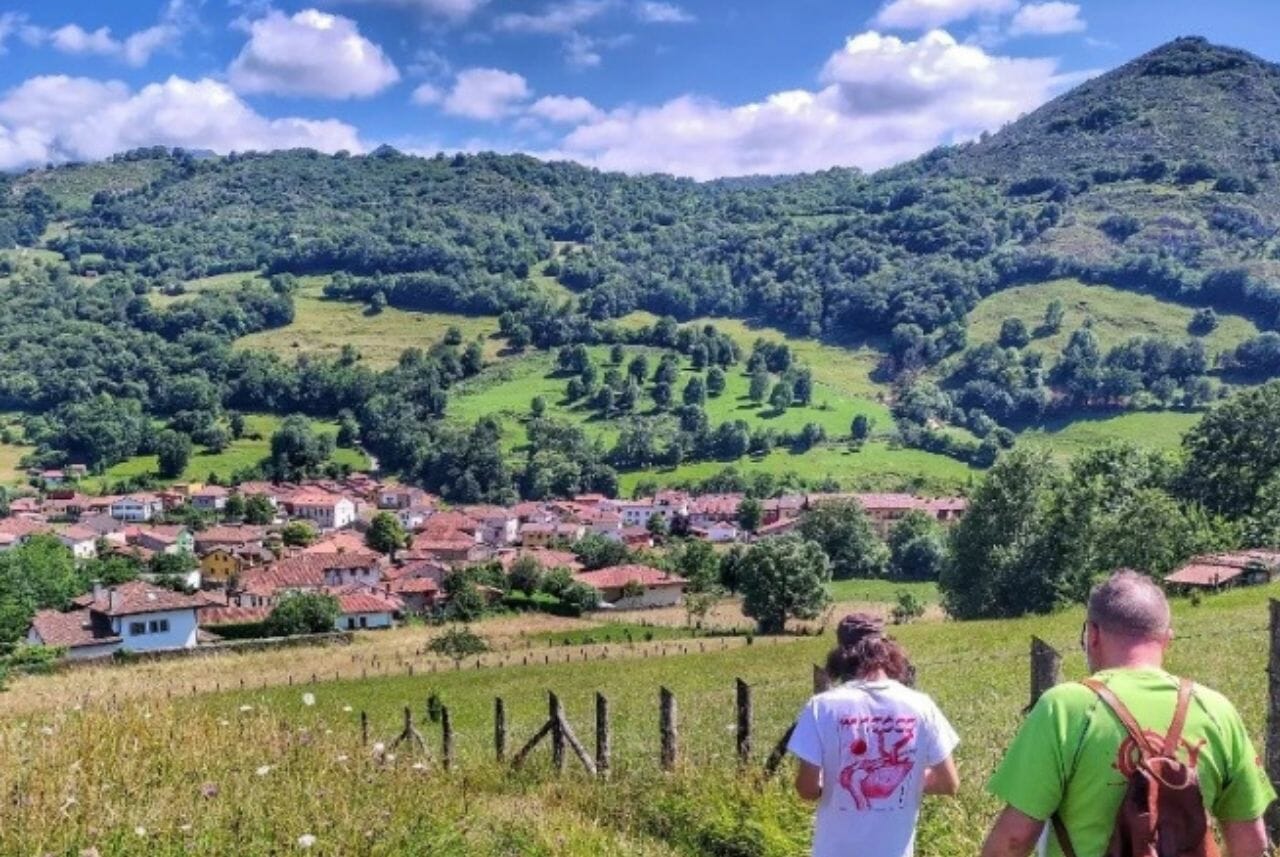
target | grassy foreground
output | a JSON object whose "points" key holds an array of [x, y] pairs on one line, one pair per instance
{"points": [[261, 772]]}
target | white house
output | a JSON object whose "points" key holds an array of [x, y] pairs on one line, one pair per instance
{"points": [[326, 511], [657, 587], [718, 532], [363, 610], [136, 507], [82, 541], [210, 498], [135, 616], [635, 513], [498, 526]]}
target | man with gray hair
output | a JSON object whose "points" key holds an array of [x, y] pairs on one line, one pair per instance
{"points": [[1071, 760]]}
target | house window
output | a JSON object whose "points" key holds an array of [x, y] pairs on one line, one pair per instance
{"points": [[159, 626], [137, 629], [351, 624], [364, 622]]}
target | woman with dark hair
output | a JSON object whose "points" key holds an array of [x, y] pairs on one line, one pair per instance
{"points": [[871, 747]]}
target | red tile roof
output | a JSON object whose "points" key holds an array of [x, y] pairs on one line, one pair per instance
{"points": [[411, 585], [232, 615], [73, 630], [365, 602], [138, 596], [619, 576], [344, 542], [1219, 569]]}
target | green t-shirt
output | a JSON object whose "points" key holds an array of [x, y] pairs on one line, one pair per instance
{"points": [[1068, 755]]}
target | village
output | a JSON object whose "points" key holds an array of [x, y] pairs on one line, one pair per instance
{"points": [[231, 575]]}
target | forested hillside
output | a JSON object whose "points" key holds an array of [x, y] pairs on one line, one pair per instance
{"points": [[1157, 178]]}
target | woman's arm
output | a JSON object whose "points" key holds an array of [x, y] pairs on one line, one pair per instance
{"points": [[942, 778], [809, 781]]}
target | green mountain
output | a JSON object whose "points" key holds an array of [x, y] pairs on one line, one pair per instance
{"points": [[1155, 180]]}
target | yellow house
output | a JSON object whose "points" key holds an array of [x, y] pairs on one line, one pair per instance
{"points": [[220, 565]]}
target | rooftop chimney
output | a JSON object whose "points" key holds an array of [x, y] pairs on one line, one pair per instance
{"points": [[99, 591]]}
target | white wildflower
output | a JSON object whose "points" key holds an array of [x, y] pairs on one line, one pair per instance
{"points": [[347, 709], [140, 831], [342, 757], [306, 840], [245, 708], [308, 699], [418, 766], [224, 722], [390, 757], [263, 771], [185, 828], [379, 748], [46, 730]]}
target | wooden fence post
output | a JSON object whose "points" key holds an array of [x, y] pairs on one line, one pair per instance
{"points": [[604, 743], [446, 737], [556, 716], [1273, 717], [1046, 669], [364, 729], [744, 722], [500, 729], [669, 729]]}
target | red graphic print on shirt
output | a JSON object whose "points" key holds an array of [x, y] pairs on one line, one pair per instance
{"points": [[881, 753]]}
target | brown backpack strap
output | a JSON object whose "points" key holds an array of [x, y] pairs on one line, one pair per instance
{"points": [[1174, 736], [1064, 840], [1123, 714]]}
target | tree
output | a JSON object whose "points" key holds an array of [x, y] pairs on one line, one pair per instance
{"points": [[459, 642], [296, 450], [750, 514], [538, 406], [656, 525], [1053, 316], [908, 607], [173, 449], [695, 391], [917, 548], [213, 437], [525, 575], [298, 534], [993, 570], [638, 368], [662, 395], [802, 385], [617, 354], [595, 551], [385, 534], [1203, 322], [348, 429], [844, 533], [715, 381], [303, 613], [696, 561], [1014, 333], [556, 581], [782, 396], [784, 578], [235, 422], [464, 601], [1233, 452], [730, 572], [234, 509], [697, 605], [258, 510], [581, 596], [759, 386], [860, 428]]}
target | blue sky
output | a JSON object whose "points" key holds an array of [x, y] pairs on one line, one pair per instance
{"points": [[694, 87]]}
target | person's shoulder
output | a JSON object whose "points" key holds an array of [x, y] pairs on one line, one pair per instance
{"points": [[1214, 702], [1071, 696]]}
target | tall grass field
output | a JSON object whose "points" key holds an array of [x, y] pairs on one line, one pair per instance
{"points": [[283, 770]]}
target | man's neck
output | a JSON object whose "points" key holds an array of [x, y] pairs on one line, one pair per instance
{"points": [[1132, 660]]}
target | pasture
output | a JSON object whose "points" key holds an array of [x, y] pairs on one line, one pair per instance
{"points": [[246, 452], [1115, 315], [283, 769]]}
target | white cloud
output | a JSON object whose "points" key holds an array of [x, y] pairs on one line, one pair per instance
{"points": [[654, 12], [456, 10], [59, 118], [565, 109], [582, 51], [560, 17], [883, 100], [486, 93], [312, 53], [135, 50], [1047, 19], [427, 94], [926, 14], [10, 23]]}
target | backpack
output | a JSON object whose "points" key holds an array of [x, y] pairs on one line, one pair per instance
{"points": [[1162, 814]]}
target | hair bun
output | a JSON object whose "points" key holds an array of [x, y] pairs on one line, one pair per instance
{"points": [[856, 626]]}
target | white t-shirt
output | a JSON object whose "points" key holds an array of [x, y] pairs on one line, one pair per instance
{"points": [[873, 741]]}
